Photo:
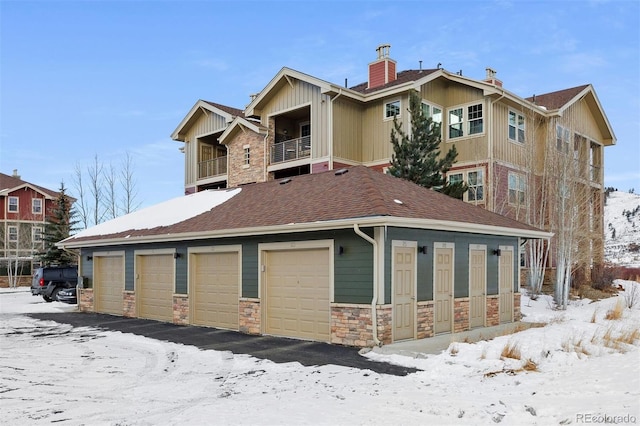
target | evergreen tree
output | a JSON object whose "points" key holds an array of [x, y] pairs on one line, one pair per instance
{"points": [[59, 225], [416, 156]]}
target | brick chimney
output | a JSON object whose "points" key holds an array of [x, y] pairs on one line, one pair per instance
{"points": [[491, 77], [383, 69]]}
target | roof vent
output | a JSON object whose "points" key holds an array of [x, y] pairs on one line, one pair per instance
{"points": [[398, 201], [340, 172], [285, 181]]}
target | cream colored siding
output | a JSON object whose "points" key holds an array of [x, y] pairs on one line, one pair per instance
{"points": [[505, 149], [376, 131], [301, 95], [579, 119], [347, 128], [204, 125], [435, 92]]}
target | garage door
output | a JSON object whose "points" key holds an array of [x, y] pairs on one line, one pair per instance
{"points": [[154, 290], [214, 300], [108, 284], [297, 294]]}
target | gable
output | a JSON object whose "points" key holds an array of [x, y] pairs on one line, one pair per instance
{"points": [[204, 118]]}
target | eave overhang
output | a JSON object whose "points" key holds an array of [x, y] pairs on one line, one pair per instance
{"points": [[200, 107]]}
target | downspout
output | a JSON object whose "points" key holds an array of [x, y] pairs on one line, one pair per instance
{"points": [[374, 300], [330, 147], [490, 178]]}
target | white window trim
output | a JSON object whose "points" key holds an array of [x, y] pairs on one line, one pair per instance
{"points": [[33, 234], [33, 206], [519, 177], [465, 121], [524, 129], [465, 178], [17, 204], [431, 105], [384, 109], [246, 156], [10, 234]]}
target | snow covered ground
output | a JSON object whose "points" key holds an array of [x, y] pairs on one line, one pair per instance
{"points": [[622, 228], [584, 373]]}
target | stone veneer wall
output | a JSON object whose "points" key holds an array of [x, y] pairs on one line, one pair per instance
{"points": [[385, 327], [425, 319], [240, 173], [517, 312], [181, 309], [493, 310], [86, 300], [460, 314], [351, 324], [249, 316], [129, 304]]}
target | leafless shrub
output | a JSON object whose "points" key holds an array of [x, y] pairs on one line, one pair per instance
{"points": [[529, 365], [632, 296]]}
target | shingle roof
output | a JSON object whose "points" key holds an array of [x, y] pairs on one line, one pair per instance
{"points": [[9, 182], [325, 197], [231, 110], [402, 77], [558, 99]]}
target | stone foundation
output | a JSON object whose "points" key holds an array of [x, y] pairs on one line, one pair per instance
{"points": [[86, 300], [517, 312], [351, 325], [425, 319], [385, 328], [493, 310], [249, 320], [181, 309], [460, 314], [129, 304]]}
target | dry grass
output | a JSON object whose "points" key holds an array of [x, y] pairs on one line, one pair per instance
{"points": [[593, 317], [616, 312], [453, 349], [529, 365], [588, 292], [511, 350], [620, 341]]}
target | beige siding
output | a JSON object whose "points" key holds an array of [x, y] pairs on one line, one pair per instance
{"points": [[347, 130], [579, 118], [435, 92], [303, 94], [376, 131], [205, 124], [505, 149]]}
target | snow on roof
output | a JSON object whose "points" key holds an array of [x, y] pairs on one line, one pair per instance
{"points": [[163, 214]]}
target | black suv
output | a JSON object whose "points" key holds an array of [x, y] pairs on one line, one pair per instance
{"points": [[49, 280]]}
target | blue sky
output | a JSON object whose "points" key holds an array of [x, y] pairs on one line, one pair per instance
{"points": [[87, 78]]}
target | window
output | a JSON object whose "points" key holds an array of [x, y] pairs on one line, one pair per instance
{"points": [[475, 181], [36, 234], [516, 188], [13, 233], [562, 139], [36, 205], [247, 155], [391, 109], [469, 119], [476, 186], [13, 204], [516, 127], [433, 112]]}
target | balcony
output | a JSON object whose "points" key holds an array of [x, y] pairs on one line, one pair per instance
{"points": [[212, 168], [595, 173], [290, 150]]}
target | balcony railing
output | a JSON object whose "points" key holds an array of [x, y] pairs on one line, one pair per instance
{"points": [[293, 149], [211, 168]]}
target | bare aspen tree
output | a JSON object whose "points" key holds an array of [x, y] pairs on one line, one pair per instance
{"points": [[110, 190], [128, 185], [96, 190], [81, 197]]}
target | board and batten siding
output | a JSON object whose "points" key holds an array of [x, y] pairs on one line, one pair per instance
{"points": [[578, 118], [347, 130], [505, 149], [376, 130], [205, 124], [301, 95], [461, 260]]}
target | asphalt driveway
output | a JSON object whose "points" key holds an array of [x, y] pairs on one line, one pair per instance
{"points": [[276, 349]]}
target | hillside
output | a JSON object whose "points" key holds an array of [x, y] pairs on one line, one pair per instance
{"points": [[622, 228]]}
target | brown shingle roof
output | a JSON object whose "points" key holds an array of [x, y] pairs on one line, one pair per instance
{"points": [[324, 197], [403, 77], [231, 110], [8, 182], [558, 99]]}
